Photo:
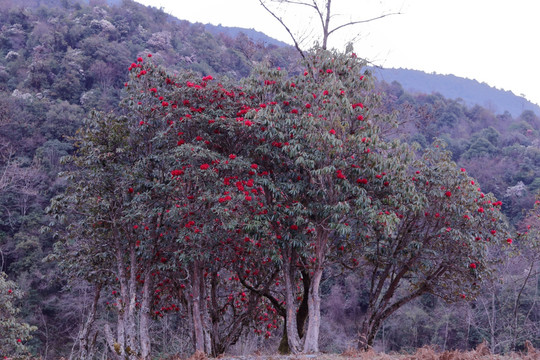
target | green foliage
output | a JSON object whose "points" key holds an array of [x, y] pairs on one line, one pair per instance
{"points": [[15, 333]]}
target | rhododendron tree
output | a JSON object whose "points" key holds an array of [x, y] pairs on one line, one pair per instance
{"points": [[14, 333], [439, 246], [314, 156], [225, 202], [203, 189]]}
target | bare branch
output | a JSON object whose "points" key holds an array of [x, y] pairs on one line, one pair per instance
{"points": [[362, 21], [296, 45], [296, 3]]}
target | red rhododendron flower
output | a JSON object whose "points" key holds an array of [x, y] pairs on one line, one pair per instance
{"points": [[149, 55], [254, 166], [472, 265], [480, 210], [448, 193], [130, 190], [164, 104], [332, 131], [204, 166], [248, 198], [362, 181], [294, 111], [329, 71], [325, 92], [135, 227], [340, 174], [139, 59], [294, 227], [308, 106], [509, 240], [493, 232], [360, 117], [232, 156]]}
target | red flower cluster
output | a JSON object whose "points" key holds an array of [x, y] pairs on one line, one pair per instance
{"points": [[205, 166], [340, 175], [177, 172]]}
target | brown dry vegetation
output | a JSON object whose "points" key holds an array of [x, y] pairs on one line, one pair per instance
{"points": [[425, 353]]}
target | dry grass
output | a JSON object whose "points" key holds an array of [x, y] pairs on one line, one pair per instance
{"points": [[425, 353]]}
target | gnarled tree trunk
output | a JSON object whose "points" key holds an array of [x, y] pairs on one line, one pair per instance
{"points": [[145, 318]]}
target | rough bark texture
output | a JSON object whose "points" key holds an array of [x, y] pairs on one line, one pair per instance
{"points": [[131, 338], [114, 347], [290, 318], [120, 329], [144, 325], [85, 345], [198, 331], [311, 338]]}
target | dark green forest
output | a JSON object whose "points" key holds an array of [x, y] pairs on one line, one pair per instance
{"points": [[67, 65]]}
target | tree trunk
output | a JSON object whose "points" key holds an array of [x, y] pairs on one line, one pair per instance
{"points": [[205, 315], [197, 319], [144, 325], [121, 327], [85, 345], [366, 335], [311, 338], [290, 317], [114, 347], [301, 316], [131, 343]]}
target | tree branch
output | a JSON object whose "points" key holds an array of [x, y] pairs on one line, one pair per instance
{"points": [[296, 45], [361, 21]]}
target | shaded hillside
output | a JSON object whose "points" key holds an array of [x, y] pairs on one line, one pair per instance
{"points": [[453, 87]]}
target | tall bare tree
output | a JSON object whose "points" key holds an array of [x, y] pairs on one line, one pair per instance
{"points": [[323, 11]]}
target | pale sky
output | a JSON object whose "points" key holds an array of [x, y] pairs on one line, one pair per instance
{"points": [[492, 41]]}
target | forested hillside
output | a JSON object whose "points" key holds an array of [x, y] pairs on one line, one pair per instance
{"points": [[470, 91], [61, 60]]}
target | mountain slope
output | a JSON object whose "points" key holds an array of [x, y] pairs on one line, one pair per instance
{"points": [[471, 91]]}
